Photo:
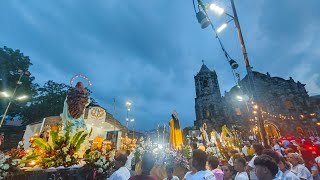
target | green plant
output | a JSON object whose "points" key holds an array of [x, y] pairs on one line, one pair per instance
{"points": [[62, 151]]}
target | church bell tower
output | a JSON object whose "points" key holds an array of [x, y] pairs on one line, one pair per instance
{"points": [[208, 101]]}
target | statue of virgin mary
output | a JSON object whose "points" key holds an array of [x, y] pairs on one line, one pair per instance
{"points": [[74, 106]]}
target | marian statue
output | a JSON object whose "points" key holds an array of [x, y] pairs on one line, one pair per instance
{"points": [[204, 134], [74, 106], [175, 132]]}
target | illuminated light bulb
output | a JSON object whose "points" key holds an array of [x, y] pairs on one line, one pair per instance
{"points": [[221, 28]]}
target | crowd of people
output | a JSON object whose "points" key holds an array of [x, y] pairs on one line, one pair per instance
{"points": [[253, 161]]}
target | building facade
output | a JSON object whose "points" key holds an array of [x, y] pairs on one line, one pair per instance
{"points": [[285, 105]]}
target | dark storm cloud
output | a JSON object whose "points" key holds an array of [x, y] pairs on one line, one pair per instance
{"points": [[289, 30], [149, 51]]}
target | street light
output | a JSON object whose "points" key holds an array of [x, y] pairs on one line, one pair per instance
{"points": [[128, 105], [22, 73], [5, 94], [22, 97], [202, 19], [219, 10], [132, 120], [205, 21], [222, 27]]}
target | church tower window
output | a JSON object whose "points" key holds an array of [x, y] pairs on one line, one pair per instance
{"points": [[205, 83]]}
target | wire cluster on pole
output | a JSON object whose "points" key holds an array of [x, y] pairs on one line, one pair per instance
{"points": [[205, 21]]}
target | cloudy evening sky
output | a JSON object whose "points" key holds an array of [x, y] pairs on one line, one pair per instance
{"points": [[149, 51]]}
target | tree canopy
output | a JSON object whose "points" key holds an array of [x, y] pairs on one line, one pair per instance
{"points": [[12, 64], [43, 101]]}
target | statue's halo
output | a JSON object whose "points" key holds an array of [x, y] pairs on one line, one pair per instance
{"points": [[80, 76]]}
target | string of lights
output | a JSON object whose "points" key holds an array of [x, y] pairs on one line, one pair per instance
{"points": [[80, 76]]}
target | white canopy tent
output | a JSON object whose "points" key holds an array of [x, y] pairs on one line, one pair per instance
{"points": [[31, 129]]}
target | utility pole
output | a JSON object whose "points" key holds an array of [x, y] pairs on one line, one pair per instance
{"points": [[27, 73], [114, 112], [127, 120], [114, 134], [263, 133]]}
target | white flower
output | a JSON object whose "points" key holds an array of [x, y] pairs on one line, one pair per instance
{"points": [[6, 166], [68, 158], [99, 153], [65, 149], [16, 160], [105, 166], [100, 170], [4, 174], [21, 165]]}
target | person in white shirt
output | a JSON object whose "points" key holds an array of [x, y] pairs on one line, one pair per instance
{"points": [[239, 166], [170, 176], [266, 167], [317, 160], [285, 168], [232, 154], [245, 151], [257, 150], [122, 173], [130, 155], [189, 174], [276, 146], [297, 166], [199, 160], [205, 174]]}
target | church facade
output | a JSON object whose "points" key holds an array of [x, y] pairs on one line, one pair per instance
{"points": [[285, 105]]}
